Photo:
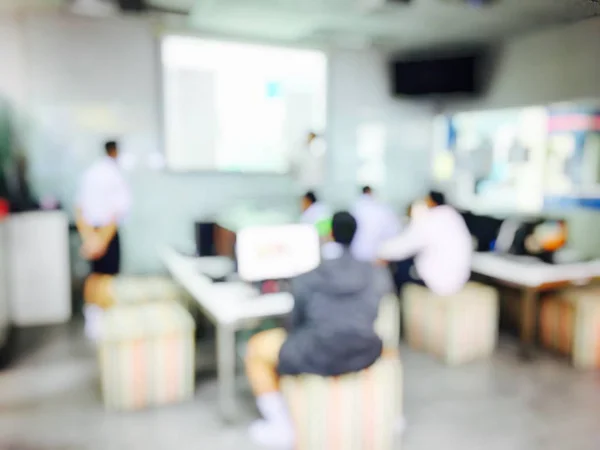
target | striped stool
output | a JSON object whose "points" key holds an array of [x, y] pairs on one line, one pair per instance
{"points": [[146, 354], [570, 325], [108, 290], [387, 324], [457, 328], [352, 412]]}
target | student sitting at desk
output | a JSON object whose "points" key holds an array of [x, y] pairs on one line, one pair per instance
{"points": [[315, 213], [377, 223], [332, 332], [440, 242]]}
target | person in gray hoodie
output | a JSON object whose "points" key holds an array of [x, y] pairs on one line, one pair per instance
{"points": [[331, 331]]}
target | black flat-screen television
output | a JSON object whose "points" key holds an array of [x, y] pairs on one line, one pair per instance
{"points": [[441, 75]]}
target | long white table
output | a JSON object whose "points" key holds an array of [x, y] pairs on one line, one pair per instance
{"points": [[532, 277], [230, 306]]}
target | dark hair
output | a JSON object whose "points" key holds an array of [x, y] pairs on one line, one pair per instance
{"points": [[343, 228], [311, 197], [110, 146], [437, 197], [367, 190]]}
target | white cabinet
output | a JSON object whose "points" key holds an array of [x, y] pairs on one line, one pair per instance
{"points": [[38, 265]]}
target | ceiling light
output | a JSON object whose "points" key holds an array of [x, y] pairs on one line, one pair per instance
{"points": [[93, 8], [473, 3]]}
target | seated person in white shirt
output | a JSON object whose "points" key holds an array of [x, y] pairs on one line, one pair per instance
{"points": [[404, 271], [438, 238], [377, 223], [103, 202], [314, 212]]}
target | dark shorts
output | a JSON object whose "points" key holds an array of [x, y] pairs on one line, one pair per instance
{"points": [[110, 263], [404, 272]]}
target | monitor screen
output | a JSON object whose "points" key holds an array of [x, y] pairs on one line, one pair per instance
{"points": [[237, 107], [277, 252], [456, 75]]}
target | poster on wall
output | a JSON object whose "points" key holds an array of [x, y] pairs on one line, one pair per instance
{"points": [[522, 159], [573, 163], [495, 157]]}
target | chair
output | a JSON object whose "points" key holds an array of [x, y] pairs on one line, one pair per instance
{"points": [[146, 355], [569, 323], [146, 346], [457, 328], [353, 411], [356, 411], [108, 290], [387, 324]]}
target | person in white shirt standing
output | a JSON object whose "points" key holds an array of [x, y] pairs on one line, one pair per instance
{"points": [[377, 223], [439, 240], [103, 202]]}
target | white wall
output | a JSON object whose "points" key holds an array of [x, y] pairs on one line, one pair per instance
{"points": [[12, 83], [359, 93], [559, 64], [80, 81]]}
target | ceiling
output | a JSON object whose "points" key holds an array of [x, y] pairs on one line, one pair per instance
{"points": [[28, 5], [359, 23], [421, 23]]}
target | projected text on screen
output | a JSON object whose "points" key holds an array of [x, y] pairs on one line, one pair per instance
{"points": [[239, 107]]}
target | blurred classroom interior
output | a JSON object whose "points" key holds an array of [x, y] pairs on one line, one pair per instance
{"points": [[225, 113]]}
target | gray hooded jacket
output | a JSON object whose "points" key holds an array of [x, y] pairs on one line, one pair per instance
{"points": [[332, 325]]}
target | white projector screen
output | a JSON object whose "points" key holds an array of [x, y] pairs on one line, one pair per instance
{"points": [[239, 107]]}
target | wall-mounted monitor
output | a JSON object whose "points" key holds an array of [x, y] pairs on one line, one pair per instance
{"points": [[439, 75]]}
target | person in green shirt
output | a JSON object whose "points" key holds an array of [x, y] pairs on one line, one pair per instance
{"points": [[316, 213]]}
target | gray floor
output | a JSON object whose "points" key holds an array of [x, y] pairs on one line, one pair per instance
{"points": [[49, 401]]}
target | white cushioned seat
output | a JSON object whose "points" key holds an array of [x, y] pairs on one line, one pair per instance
{"points": [[147, 355], [457, 328]]}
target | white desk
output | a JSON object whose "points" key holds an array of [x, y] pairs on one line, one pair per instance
{"points": [[533, 274], [230, 306], [532, 277], [236, 219]]}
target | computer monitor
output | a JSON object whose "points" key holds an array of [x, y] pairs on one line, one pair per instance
{"points": [[277, 252]]}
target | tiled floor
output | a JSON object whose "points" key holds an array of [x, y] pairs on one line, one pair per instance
{"points": [[49, 401]]}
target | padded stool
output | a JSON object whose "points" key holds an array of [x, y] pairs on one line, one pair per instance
{"points": [[108, 290], [387, 324], [457, 328], [357, 411], [570, 325], [146, 354]]}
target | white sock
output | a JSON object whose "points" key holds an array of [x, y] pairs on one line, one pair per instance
{"points": [[271, 435], [93, 322], [276, 430], [273, 408], [400, 425]]}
